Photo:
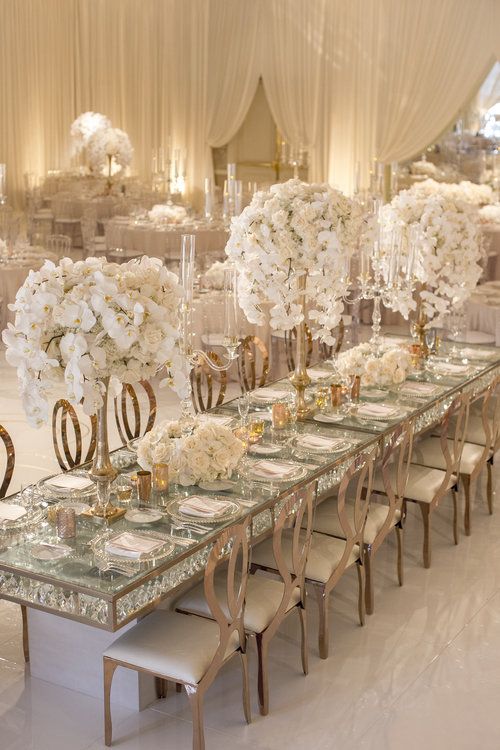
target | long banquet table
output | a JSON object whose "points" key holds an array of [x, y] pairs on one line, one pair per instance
{"points": [[74, 609]]}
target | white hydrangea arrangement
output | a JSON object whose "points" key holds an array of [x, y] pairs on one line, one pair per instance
{"points": [[390, 367], [85, 126], [293, 229], [80, 322], [489, 214], [468, 192], [209, 453], [109, 145], [168, 213], [213, 278], [448, 256]]}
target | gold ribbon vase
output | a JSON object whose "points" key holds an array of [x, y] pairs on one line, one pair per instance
{"points": [[102, 472]]}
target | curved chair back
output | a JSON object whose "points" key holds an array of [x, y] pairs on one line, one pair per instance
{"points": [[290, 337], [59, 244], [128, 412], [230, 549], [452, 435], [327, 351], [202, 384], [252, 350], [10, 460], [69, 457]]}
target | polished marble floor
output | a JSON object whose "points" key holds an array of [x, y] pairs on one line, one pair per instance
{"points": [[423, 673]]}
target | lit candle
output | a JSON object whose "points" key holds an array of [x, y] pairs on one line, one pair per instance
{"points": [[279, 416], [208, 198], [238, 197]]}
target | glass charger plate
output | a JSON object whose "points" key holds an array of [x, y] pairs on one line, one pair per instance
{"points": [[248, 470], [98, 545], [34, 512], [122, 459], [233, 510], [49, 551], [264, 399], [337, 445], [265, 449], [53, 492], [387, 416], [135, 515], [218, 485]]}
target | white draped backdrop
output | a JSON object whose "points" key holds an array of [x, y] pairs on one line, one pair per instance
{"points": [[352, 81]]}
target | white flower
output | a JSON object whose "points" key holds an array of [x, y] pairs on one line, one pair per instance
{"points": [[85, 126], [167, 213], [88, 320], [213, 278], [293, 229], [109, 143], [390, 367]]}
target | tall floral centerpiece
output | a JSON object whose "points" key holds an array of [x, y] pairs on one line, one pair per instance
{"points": [[92, 325], [84, 127], [109, 150], [291, 247], [446, 266]]}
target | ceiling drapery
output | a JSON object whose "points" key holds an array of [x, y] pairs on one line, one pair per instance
{"points": [[351, 81]]}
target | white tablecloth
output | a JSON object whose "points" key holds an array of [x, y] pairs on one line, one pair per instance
{"points": [[11, 278], [134, 239]]}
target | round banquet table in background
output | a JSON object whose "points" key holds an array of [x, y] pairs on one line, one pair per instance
{"points": [[133, 239], [491, 234], [11, 278]]}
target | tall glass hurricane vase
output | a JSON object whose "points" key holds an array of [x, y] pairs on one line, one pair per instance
{"points": [[300, 379], [103, 473]]}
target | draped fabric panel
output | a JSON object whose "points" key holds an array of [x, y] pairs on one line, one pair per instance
{"points": [[349, 80]]}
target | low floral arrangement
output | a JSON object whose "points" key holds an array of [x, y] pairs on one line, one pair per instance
{"points": [[489, 214], [213, 278], [85, 126], [423, 167], [468, 192], [168, 213], [391, 367], [109, 148], [447, 263], [81, 322], [209, 453], [294, 229]]}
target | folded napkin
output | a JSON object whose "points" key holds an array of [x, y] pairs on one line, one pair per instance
{"points": [[318, 374], [471, 353], [265, 394], [70, 482], [319, 442], [132, 545], [9, 512], [197, 505], [273, 469], [215, 419], [450, 368], [375, 410], [419, 388]]}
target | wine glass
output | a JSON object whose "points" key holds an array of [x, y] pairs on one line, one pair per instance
{"points": [[243, 407]]}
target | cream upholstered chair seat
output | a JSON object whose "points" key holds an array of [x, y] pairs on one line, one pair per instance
{"points": [[429, 453], [422, 485], [263, 598], [172, 644], [324, 556], [326, 520]]}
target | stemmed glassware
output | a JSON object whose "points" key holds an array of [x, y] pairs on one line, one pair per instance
{"points": [[456, 324], [243, 408]]}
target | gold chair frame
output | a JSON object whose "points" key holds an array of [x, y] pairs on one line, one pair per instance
{"points": [[247, 374], [231, 549], [202, 372], [123, 424], [69, 461]]}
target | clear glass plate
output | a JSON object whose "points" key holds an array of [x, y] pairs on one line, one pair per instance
{"points": [[35, 512], [248, 470], [337, 445], [47, 551], [98, 545], [233, 510], [53, 492]]}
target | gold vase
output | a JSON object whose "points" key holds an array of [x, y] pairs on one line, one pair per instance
{"points": [[300, 379], [420, 327], [102, 472], [109, 181]]}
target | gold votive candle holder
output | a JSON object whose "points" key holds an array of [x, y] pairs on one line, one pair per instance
{"points": [[124, 493], [256, 430], [356, 388], [280, 416], [321, 398], [336, 395], [160, 478], [144, 486], [66, 523]]}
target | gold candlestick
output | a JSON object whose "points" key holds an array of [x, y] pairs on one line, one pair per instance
{"points": [[103, 473]]}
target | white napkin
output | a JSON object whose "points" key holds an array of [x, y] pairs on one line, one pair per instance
{"points": [[196, 505], [318, 442], [70, 482], [375, 410], [318, 374], [273, 469], [132, 545], [451, 368], [9, 512], [425, 388], [215, 419], [269, 393]]}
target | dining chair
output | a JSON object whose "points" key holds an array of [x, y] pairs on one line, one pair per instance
{"points": [[190, 650], [67, 218], [91, 241], [389, 483], [327, 351], [128, 411], [59, 244], [435, 467], [290, 337], [10, 460], [269, 601], [73, 451], [329, 557], [252, 351], [203, 379]]}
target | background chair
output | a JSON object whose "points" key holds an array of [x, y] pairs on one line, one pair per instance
{"points": [[72, 453], [253, 363], [202, 384], [127, 404], [59, 244], [186, 649]]}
